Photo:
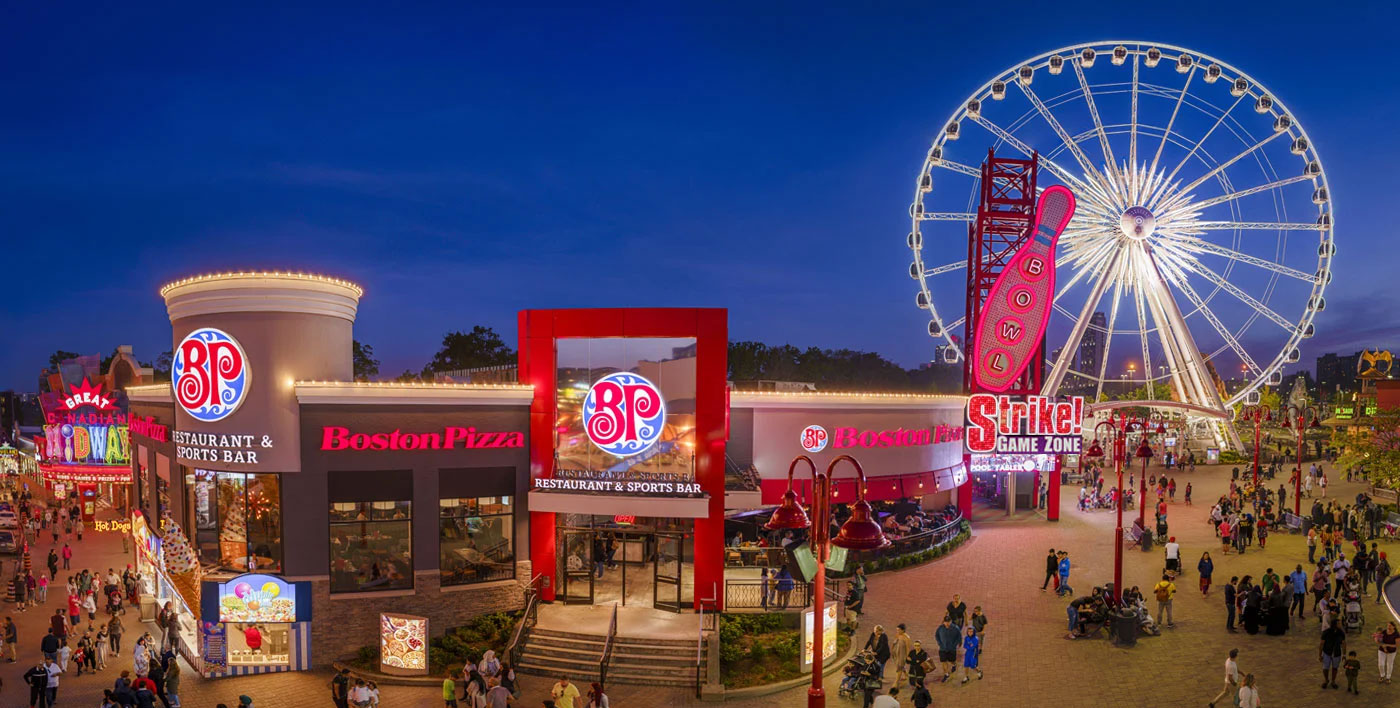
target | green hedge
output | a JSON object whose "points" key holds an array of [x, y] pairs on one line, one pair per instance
{"points": [[758, 649]]}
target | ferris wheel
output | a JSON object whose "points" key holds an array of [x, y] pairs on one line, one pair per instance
{"points": [[1202, 242]]}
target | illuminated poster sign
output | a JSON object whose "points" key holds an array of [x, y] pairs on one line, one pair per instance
{"points": [[897, 437], [828, 634], [623, 414], [210, 374], [88, 395], [1010, 462], [86, 444], [257, 598], [813, 438], [1017, 309], [403, 644], [451, 438], [997, 423]]}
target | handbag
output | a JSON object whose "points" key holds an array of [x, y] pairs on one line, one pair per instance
{"points": [[927, 665]]}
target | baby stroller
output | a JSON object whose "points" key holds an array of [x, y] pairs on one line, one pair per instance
{"points": [[853, 677], [1353, 618]]}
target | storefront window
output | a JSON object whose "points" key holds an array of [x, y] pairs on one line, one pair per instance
{"points": [[237, 519], [475, 540], [371, 546]]}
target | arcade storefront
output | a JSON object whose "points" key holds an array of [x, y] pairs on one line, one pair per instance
{"points": [[342, 500]]}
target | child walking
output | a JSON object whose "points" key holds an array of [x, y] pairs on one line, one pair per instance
{"points": [[971, 648]]}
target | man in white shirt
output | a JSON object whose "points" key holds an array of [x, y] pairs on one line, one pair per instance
{"points": [[499, 696], [1173, 555], [888, 700], [1232, 677], [54, 671]]}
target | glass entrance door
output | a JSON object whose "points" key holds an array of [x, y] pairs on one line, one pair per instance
{"points": [[577, 558], [667, 573]]}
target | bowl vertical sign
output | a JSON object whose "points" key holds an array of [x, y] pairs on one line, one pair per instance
{"points": [[210, 374], [624, 414]]}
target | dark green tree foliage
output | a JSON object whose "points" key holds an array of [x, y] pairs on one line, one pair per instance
{"points": [[366, 366], [829, 369], [468, 350]]}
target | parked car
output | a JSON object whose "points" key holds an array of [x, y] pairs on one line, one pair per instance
{"points": [[7, 543], [8, 520]]}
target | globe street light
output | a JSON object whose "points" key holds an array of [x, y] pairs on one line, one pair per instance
{"points": [[1302, 414], [1118, 429], [859, 533], [1260, 415]]}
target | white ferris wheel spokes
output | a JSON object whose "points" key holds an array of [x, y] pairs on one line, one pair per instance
{"points": [[1203, 239]]}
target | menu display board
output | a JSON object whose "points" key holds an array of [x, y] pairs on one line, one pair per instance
{"points": [[403, 644], [215, 646]]}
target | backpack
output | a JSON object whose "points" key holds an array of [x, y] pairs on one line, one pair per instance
{"points": [[1164, 592]]}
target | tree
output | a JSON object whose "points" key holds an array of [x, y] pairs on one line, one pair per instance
{"points": [[408, 377], [1160, 392], [479, 347], [366, 366], [161, 369], [1374, 447], [59, 356]]}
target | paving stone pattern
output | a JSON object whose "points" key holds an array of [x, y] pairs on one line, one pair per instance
{"points": [[1027, 660]]}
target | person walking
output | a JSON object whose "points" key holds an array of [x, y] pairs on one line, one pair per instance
{"points": [[1164, 591], [1248, 696], [1063, 569], [971, 648], [1232, 677], [1298, 588], [564, 693], [38, 679], [918, 664], [899, 651], [67, 556], [1386, 643], [1205, 567], [1334, 644], [1230, 604], [948, 640], [879, 643], [1052, 564], [11, 639], [1381, 572], [921, 696]]}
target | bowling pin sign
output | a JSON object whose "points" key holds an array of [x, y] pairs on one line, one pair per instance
{"points": [[1018, 306]]}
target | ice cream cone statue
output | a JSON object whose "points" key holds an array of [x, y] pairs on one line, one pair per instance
{"points": [[233, 538], [181, 563]]}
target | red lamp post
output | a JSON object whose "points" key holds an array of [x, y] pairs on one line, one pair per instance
{"points": [[1118, 429], [1303, 426], [1260, 415], [859, 533]]}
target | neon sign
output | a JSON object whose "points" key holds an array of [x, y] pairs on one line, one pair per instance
{"points": [[997, 423], [899, 437], [210, 373], [451, 438], [93, 444], [86, 394], [1017, 309], [813, 438], [624, 413]]}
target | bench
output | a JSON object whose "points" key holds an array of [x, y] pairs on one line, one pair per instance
{"points": [[1133, 534]]}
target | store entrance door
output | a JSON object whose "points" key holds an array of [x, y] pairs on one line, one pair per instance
{"points": [[666, 571], [578, 576]]}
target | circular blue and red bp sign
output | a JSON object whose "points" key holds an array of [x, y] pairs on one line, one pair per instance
{"points": [[210, 374], [624, 414]]}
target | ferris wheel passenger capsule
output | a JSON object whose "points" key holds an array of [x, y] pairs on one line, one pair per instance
{"points": [[1056, 65], [1293, 356], [1325, 221], [1324, 276], [1212, 73], [1184, 63], [1086, 57], [1320, 195], [974, 108], [935, 329], [951, 131], [1239, 87], [916, 210], [1275, 378], [1263, 104], [926, 183], [1308, 331], [998, 90], [1327, 249], [1154, 56], [1313, 168], [1120, 55], [1282, 123], [915, 240], [915, 271], [1026, 74], [935, 155], [1300, 145], [950, 355], [921, 300], [1317, 304]]}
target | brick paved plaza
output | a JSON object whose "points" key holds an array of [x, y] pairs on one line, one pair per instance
{"points": [[1027, 659]]}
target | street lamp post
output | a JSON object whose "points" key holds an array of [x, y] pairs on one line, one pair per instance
{"points": [[1260, 415], [859, 533], [1303, 425], [1118, 429]]}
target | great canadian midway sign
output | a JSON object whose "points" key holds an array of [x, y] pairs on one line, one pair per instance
{"points": [[998, 423]]}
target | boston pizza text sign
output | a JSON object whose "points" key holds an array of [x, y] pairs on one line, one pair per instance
{"points": [[1038, 425], [451, 438]]}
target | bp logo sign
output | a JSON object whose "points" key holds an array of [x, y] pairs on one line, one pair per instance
{"points": [[210, 374], [624, 414], [813, 438]]}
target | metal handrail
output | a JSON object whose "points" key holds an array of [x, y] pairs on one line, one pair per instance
{"points": [[700, 634], [606, 658], [527, 621], [918, 542]]}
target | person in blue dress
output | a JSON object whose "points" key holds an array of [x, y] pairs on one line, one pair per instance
{"points": [[970, 652]]}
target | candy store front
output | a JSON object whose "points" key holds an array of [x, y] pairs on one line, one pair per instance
{"points": [[254, 624]]}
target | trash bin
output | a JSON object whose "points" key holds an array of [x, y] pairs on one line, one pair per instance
{"points": [[1146, 540], [147, 605], [1125, 629], [1307, 524]]}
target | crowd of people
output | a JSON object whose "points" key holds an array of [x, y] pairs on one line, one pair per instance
{"points": [[907, 664]]}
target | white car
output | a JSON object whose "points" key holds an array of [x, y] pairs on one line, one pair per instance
{"points": [[8, 520]]}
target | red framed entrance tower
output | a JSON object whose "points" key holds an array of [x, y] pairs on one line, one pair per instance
{"points": [[539, 332], [1005, 216]]}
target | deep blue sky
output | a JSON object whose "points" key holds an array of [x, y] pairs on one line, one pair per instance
{"points": [[464, 163]]}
